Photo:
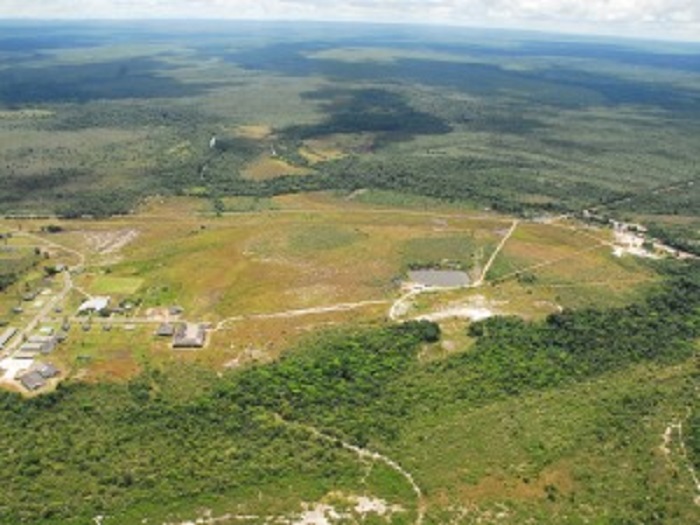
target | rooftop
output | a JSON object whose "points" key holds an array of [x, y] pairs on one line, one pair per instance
{"points": [[189, 335], [165, 329], [47, 370], [94, 305], [32, 381]]}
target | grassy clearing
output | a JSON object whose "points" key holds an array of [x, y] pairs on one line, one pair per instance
{"points": [[254, 131], [454, 251], [266, 264], [98, 355], [248, 204], [333, 147], [109, 285], [553, 256], [392, 199], [266, 167]]}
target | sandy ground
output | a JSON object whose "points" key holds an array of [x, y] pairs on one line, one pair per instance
{"points": [[355, 508], [631, 243], [475, 308], [109, 242]]}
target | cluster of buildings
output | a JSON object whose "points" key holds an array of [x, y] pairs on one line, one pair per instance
{"points": [[38, 375], [26, 363], [23, 365], [35, 345]]}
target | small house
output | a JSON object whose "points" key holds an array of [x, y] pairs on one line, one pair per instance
{"points": [[165, 330], [176, 310], [47, 370], [32, 381], [189, 335], [47, 343]]}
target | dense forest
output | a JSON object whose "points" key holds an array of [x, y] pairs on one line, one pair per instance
{"points": [[446, 116]]}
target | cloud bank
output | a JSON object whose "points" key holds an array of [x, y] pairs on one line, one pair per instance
{"points": [[676, 19]]}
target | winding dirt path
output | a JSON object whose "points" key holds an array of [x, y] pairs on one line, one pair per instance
{"points": [[665, 447], [365, 454], [80, 255]]}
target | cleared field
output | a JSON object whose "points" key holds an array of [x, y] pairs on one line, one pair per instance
{"points": [[254, 131], [108, 285], [561, 258], [272, 271], [266, 167], [334, 147]]}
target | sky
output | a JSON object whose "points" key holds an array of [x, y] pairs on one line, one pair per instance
{"points": [[661, 19]]}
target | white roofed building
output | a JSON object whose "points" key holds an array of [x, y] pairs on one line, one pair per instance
{"points": [[95, 304]]}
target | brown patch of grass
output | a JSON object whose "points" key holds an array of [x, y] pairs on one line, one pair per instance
{"points": [[554, 481], [118, 365], [266, 167], [332, 147], [254, 131]]}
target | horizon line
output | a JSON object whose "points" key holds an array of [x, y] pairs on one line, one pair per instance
{"points": [[515, 28]]}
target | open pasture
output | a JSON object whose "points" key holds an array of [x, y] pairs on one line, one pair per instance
{"points": [[304, 254], [270, 274], [267, 167]]}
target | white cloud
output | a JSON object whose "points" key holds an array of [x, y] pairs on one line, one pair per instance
{"points": [[668, 18]]}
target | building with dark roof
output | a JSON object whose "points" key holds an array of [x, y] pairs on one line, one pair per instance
{"points": [[32, 381], [176, 310], [165, 330]]}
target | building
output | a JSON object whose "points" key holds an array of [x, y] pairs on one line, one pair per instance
{"points": [[96, 304], [189, 335], [165, 330], [24, 355], [47, 343], [47, 370], [32, 381], [32, 347], [176, 310]]}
